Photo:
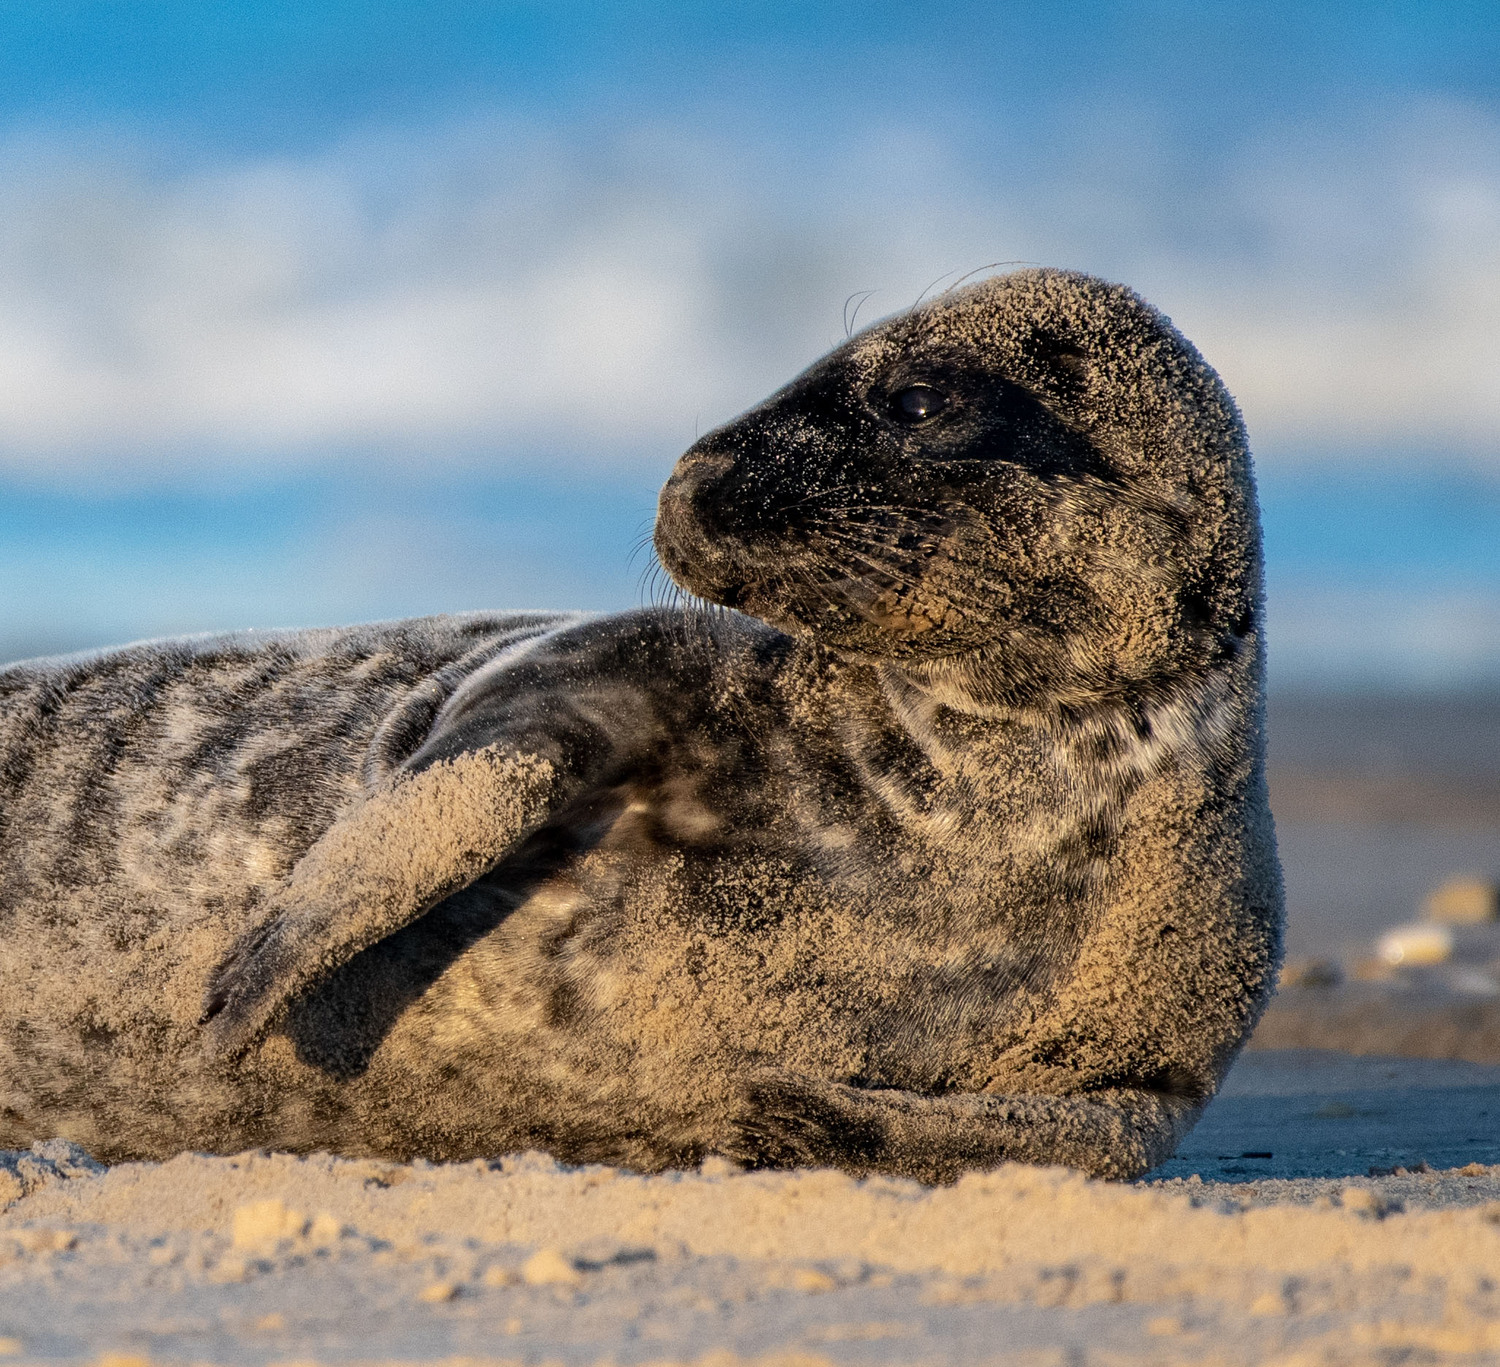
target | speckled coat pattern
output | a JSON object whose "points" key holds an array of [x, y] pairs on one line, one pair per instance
{"points": [[932, 832]]}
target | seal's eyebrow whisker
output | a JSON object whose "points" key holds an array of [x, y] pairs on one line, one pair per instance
{"points": [[969, 275], [849, 322], [917, 302]]}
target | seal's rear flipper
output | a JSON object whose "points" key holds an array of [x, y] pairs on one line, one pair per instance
{"points": [[410, 844], [785, 1121]]}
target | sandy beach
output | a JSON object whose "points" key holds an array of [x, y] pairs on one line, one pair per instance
{"points": [[1266, 1239]]}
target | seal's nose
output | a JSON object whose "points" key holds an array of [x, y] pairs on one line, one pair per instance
{"points": [[697, 473], [696, 491]]}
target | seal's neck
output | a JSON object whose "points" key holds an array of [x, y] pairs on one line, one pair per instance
{"points": [[1209, 719]]}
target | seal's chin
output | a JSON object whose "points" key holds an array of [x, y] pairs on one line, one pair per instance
{"points": [[716, 570]]}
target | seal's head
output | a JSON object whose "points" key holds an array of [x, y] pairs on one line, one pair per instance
{"points": [[1029, 491]]}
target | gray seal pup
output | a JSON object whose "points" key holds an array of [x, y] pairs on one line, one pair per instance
{"points": [[942, 841]]}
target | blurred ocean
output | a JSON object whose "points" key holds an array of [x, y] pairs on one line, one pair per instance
{"points": [[91, 568], [1383, 578]]}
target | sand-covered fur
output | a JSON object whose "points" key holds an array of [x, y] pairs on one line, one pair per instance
{"points": [[949, 845]]}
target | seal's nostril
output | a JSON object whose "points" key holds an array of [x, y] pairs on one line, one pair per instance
{"points": [[698, 492], [701, 467]]}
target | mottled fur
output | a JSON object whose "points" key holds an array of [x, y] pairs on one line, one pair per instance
{"points": [[949, 846]]}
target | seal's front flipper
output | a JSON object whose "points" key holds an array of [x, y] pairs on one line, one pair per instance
{"points": [[788, 1121], [408, 845]]}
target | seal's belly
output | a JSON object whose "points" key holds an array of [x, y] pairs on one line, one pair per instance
{"points": [[656, 960]]}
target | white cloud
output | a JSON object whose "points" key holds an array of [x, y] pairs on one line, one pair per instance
{"points": [[502, 289], [1365, 307]]}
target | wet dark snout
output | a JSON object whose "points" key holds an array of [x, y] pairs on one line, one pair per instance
{"points": [[728, 523]]}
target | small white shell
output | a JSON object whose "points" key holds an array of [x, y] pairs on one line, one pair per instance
{"points": [[1416, 944]]}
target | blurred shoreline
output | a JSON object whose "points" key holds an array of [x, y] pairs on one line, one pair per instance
{"points": [[1423, 758], [1378, 798]]}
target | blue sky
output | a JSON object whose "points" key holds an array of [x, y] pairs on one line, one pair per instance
{"points": [[323, 312]]}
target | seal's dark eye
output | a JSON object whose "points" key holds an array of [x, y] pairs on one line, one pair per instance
{"points": [[917, 403]]}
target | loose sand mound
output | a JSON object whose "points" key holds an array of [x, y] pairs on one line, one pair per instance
{"points": [[1282, 1255]]}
